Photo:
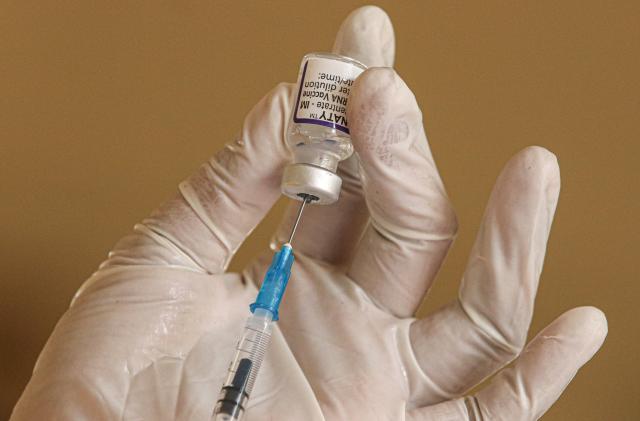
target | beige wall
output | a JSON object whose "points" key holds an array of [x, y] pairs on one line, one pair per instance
{"points": [[106, 106]]}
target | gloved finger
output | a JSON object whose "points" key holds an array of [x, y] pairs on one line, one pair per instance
{"points": [[329, 233], [487, 327], [527, 390], [219, 205], [412, 221]]}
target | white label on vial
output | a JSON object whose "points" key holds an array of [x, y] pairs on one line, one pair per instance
{"points": [[323, 92]]}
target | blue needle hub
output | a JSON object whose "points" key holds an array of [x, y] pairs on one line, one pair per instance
{"points": [[275, 281]]}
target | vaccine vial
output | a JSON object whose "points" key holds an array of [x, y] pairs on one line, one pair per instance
{"points": [[318, 132]]}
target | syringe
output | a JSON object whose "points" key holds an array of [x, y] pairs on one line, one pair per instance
{"points": [[257, 332]]}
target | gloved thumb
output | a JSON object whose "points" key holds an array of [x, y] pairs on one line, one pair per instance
{"points": [[219, 205]]}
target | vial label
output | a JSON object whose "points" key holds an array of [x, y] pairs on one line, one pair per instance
{"points": [[323, 92]]}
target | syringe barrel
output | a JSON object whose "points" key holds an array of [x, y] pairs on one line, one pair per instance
{"points": [[244, 368], [253, 343]]}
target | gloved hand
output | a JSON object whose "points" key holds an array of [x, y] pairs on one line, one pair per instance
{"points": [[150, 335]]}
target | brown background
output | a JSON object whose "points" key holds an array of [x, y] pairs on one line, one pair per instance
{"points": [[106, 106]]}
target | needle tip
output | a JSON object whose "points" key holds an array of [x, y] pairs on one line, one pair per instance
{"points": [[306, 198]]}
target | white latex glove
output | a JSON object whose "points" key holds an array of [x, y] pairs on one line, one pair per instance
{"points": [[150, 335]]}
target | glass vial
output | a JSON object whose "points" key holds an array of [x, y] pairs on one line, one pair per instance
{"points": [[318, 132]]}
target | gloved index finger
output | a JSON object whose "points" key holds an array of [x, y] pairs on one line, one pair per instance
{"points": [[367, 36]]}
